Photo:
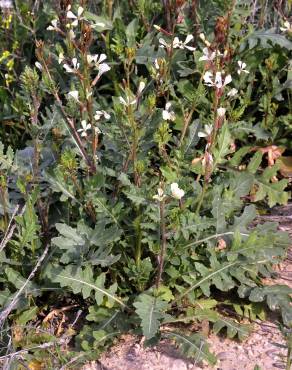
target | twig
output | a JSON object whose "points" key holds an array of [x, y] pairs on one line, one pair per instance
{"points": [[10, 229], [41, 346], [5, 313]]}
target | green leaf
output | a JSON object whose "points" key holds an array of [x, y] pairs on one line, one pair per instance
{"points": [[273, 191], [27, 315], [193, 346], [151, 311], [82, 281], [223, 145], [100, 23], [233, 328], [255, 162], [267, 39], [208, 277]]}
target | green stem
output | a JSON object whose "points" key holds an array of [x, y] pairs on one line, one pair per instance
{"points": [[163, 242], [138, 251]]}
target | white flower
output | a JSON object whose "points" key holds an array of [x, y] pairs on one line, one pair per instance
{"points": [[217, 82], [6, 4], [101, 113], [97, 61], [85, 128], [207, 131], [167, 114], [71, 15], [177, 43], [176, 192], [141, 87], [287, 27], [103, 68], [221, 112], [80, 11], [53, 26], [128, 101], [242, 66], [74, 68], [71, 35], [39, 66], [208, 55], [74, 94], [61, 58], [232, 92], [156, 64], [160, 195], [183, 45]]}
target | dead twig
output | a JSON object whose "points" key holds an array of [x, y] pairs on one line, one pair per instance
{"points": [[5, 313]]}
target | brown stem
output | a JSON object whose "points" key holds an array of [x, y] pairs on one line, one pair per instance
{"points": [[167, 9], [186, 125], [194, 17]]}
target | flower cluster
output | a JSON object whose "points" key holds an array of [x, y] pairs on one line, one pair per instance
{"points": [[176, 192], [177, 43]]}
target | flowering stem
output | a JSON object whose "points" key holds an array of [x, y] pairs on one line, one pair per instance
{"points": [[209, 168], [186, 125], [69, 123]]}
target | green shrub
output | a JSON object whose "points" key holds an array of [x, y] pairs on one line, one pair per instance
{"points": [[133, 198]]}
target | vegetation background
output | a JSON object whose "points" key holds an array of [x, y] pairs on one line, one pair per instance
{"points": [[140, 140]]}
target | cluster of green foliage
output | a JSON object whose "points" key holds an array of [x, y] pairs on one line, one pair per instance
{"points": [[81, 221]]}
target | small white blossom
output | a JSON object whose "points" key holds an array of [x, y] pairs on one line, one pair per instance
{"points": [[221, 112], [287, 27], [80, 11], [103, 68], [71, 35], [160, 195], [167, 114], [61, 58], [74, 68], [177, 44], [141, 87], [74, 94], [176, 192], [53, 26], [208, 55], [216, 81], [156, 64], [85, 127], [101, 113], [242, 66], [128, 101], [71, 15], [6, 4], [207, 131], [97, 61], [232, 92], [39, 66]]}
